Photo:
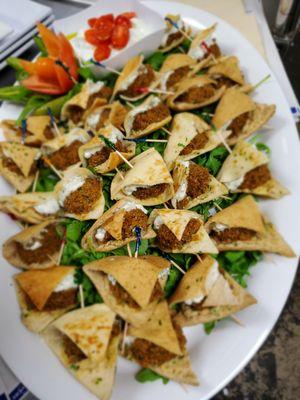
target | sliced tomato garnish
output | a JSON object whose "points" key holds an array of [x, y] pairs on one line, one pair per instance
{"points": [[129, 14], [106, 17], [92, 22], [28, 66], [91, 36], [45, 68], [120, 36], [104, 28], [67, 55], [102, 52], [63, 78], [42, 86], [122, 20], [50, 40]]}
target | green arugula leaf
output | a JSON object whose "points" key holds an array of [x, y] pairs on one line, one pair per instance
{"points": [[32, 104], [263, 147], [147, 375], [213, 160], [209, 326], [46, 181], [90, 294], [156, 60]]}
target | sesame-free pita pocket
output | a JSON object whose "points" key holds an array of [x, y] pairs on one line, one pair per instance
{"points": [[241, 226], [36, 247], [193, 185], [18, 164], [45, 295], [173, 37], [99, 115], [80, 194], [134, 79], [207, 293], [73, 110], [196, 92], [148, 182], [147, 117], [191, 136], [180, 231], [115, 228], [38, 130], [101, 158], [175, 68], [246, 170], [32, 207], [86, 342], [228, 68], [130, 286], [159, 344]]}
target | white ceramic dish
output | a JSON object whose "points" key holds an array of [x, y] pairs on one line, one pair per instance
{"points": [[216, 358]]}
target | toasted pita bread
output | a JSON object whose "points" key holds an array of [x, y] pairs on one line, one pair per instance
{"points": [[150, 103], [217, 294], [173, 63], [96, 144], [79, 176], [149, 169], [131, 71], [243, 159], [89, 329], [170, 29], [10, 252], [245, 213], [214, 190], [176, 221], [185, 85], [24, 158], [93, 116], [228, 67], [185, 127], [81, 99], [112, 222], [38, 130], [31, 207]]}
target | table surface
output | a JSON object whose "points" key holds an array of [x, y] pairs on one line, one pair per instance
{"points": [[274, 372]]}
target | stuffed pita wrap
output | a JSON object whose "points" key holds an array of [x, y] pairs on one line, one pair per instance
{"points": [[148, 182], [238, 113], [129, 286], [74, 108], [80, 194], [86, 342], [227, 71], [32, 207], [204, 48], [45, 295], [175, 68], [149, 116], [180, 231], [36, 247], [196, 92], [246, 170], [39, 130], [159, 344], [18, 164], [207, 293], [98, 116], [190, 137], [193, 185], [173, 37], [241, 226], [115, 228], [62, 152], [135, 77], [95, 154]]}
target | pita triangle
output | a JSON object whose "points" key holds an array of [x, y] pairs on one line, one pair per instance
{"points": [[228, 67], [22, 156], [114, 225]]}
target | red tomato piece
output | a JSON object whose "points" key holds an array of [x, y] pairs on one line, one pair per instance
{"points": [[102, 52], [129, 14], [104, 28], [91, 36], [92, 22], [122, 20], [120, 36], [107, 17]]}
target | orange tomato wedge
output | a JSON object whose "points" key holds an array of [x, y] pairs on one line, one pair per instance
{"points": [[42, 86]]}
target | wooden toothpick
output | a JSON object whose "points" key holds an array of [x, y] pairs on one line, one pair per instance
{"points": [[129, 250], [82, 305], [36, 178], [124, 337], [120, 173], [48, 162], [237, 320]]}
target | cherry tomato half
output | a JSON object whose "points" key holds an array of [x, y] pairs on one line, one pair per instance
{"points": [[91, 36], [122, 20], [120, 36], [104, 28], [102, 52], [129, 14], [92, 22]]}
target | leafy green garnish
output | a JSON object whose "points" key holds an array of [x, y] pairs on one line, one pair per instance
{"points": [[206, 208], [238, 263], [86, 73], [160, 147], [147, 375], [40, 45], [156, 60], [15, 63], [90, 294], [17, 94], [263, 147], [209, 326], [32, 104], [173, 279], [46, 181], [213, 160], [74, 367]]}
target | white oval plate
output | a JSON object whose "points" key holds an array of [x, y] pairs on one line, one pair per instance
{"points": [[216, 358]]}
